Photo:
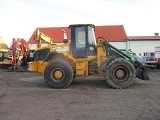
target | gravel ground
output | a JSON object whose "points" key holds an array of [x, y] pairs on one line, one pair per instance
{"points": [[25, 96]]}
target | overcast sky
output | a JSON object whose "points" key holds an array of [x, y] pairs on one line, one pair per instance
{"points": [[19, 18]]}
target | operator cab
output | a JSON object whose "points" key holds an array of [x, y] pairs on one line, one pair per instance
{"points": [[3, 55], [83, 41]]}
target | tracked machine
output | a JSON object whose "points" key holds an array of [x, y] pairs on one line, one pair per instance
{"points": [[19, 52], [86, 56]]}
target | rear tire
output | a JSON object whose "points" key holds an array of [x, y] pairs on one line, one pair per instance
{"points": [[58, 74], [120, 73]]}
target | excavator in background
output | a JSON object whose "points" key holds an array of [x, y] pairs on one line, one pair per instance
{"points": [[19, 51], [86, 56], [21, 54]]}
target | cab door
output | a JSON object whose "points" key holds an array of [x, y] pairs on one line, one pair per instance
{"points": [[91, 40], [79, 42]]}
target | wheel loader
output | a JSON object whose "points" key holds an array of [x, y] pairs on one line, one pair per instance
{"points": [[85, 55]]}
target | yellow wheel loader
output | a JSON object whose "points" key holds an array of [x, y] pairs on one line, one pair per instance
{"points": [[85, 55]]}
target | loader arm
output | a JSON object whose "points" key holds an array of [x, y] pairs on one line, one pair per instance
{"points": [[38, 36]]}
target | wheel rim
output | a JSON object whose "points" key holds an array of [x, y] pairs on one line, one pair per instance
{"points": [[57, 75], [120, 73]]}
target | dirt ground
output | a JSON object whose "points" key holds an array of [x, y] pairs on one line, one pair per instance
{"points": [[25, 96]]}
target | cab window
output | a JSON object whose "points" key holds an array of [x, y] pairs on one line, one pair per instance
{"points": [[80, 38], [91, 36]]}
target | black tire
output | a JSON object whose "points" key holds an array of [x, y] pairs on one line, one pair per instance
{"points": [[58, 74], [120, 73]]}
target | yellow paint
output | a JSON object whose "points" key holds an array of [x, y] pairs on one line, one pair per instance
{"points": [[82, 68], [41, 66], [101, 55], [58, 74], [89, 58], [37, 66], [33, 66]]}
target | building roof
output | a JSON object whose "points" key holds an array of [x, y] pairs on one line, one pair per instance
{"points": [[136, 38], [110, 33]]}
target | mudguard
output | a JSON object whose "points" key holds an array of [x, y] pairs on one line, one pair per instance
{"points": [[49, 55]]}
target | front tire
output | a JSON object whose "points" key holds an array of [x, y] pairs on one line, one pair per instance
{"points": [[58, 74], [120, 73]]}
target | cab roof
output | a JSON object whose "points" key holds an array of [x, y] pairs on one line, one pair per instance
{"points": [[78, 25]]}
